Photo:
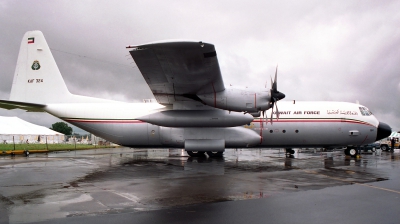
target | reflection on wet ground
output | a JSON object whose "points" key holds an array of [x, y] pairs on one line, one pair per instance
{"points": [[105, 181]]}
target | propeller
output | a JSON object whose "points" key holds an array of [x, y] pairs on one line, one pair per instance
{"points": [[275, 97]]}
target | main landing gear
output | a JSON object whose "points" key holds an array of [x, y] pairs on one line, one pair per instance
{"points": [[196, 153], [351, 151], [213, 154]]}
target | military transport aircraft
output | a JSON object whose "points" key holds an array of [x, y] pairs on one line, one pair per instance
{"points": [[194, 109]]}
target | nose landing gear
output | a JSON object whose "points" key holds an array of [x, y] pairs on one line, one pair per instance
{"points": [[351, 151], [289, 151]]}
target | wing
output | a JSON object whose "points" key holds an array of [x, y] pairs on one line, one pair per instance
{"points": [[176, 71], [29, 107]]}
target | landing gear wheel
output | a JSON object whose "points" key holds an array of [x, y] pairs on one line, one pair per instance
{"points": [[353, 152], [215, 154], [195, 153], [289, 151]]}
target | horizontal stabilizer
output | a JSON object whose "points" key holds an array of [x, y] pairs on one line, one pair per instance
{"points": [[29, 107]]}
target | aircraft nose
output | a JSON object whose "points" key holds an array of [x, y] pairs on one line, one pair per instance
{"points": [[384, 131]]}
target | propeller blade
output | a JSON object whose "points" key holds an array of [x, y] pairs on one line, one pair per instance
{"points": [[272, 83], [277, 111], [262, 117], [262, 121], [272, 112], [275, 84], [266, 117], [275, 96]]}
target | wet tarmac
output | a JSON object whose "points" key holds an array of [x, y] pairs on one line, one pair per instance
{"points": [[165, 185]]}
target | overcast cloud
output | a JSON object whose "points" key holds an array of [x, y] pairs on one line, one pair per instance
{"points": [[326, 50]]}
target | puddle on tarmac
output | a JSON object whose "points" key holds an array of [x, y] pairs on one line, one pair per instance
{"points": [[124, 180]]}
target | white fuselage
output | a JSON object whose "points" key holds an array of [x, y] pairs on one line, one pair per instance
{"points": [[317, 124], [301, 124]]}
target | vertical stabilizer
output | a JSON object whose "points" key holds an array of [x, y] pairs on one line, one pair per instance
{"points": [[37, 78]]}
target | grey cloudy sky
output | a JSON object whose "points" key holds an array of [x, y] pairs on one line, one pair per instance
{"points": [[326, 50]]}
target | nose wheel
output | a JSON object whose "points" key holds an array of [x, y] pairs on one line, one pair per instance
{"points": [[289, 151], [349, 151]]}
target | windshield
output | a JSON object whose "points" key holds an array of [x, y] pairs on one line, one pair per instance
{"points": [[364, 111]]}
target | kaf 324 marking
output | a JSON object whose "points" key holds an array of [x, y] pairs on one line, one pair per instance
{"points": [[33, 80]]}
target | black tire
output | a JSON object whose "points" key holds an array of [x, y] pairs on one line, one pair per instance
{"points": [[289, 151], [373, 149], [196, 153], [215, 154], [384, 147], [353, 152], [347, 152]]}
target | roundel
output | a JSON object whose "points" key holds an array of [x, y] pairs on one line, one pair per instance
{"points": [[35, 65]]}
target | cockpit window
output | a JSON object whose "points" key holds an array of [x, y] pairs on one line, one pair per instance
{"points": [[370, 113], [364, 111]]}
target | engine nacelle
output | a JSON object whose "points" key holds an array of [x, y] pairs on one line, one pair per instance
{"points": [[240, 100]]}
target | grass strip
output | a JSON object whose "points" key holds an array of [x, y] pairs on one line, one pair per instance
{"points": [[50, 147]]}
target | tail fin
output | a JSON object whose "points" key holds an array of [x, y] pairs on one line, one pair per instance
{"points": [[37, 78]]}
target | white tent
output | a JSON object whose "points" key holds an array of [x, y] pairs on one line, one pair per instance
{"points": [[25, 132]]}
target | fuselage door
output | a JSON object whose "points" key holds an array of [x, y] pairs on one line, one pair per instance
{"points": [[354, 133]]}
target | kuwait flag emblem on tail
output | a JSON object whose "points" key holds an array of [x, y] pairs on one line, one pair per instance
{"points": [[31, 40]]}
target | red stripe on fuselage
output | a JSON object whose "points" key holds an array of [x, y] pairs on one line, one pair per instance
{"points": [[106, 121], [288, 121], [254, 121], [317, 121]]}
